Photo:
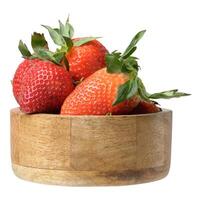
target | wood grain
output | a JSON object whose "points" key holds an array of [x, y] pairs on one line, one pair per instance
{"points": [[91, 150]]}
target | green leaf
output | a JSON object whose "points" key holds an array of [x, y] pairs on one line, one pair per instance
{"points": [[160, 95], [142, 90], [38, 41], [70, 28], [68, 18], [114, 65], [69, 43], [116, 53], [131, 48], [57, 30], [85, 40], [57, 38], [24, 50], [58, 56], [66, 30], [122, 93], [45, 54], [130, 64], [168, 94], [62, 27], [126, 91], [133, 88], [66, 63], [129, 52]]}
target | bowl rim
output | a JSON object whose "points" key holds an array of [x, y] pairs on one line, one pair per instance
{"points": [[17, 110]]}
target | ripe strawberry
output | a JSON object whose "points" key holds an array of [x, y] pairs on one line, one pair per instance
{"points": [[84, 60], [83, 55], [146, 107], [116, 89], [95, 95], [19, 74], [40, 85], [44, 87]]}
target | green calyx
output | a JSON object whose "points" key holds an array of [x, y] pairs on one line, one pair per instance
{"points": [[126, 63], [40, 49], [61, 36]]}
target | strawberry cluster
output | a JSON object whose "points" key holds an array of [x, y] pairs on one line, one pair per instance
{"points": [[81, 77]]}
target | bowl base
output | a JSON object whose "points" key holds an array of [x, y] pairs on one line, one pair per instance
{"points": [[89, 178]]}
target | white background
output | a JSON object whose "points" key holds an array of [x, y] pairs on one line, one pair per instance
{"points": [[170, 55]]}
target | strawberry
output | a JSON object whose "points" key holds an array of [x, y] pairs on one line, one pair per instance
{"points": [[116, 89], [44, 88], [146, 107], [95, 95], [83, 56], [84, 60], [19, 74], [40, 85]]}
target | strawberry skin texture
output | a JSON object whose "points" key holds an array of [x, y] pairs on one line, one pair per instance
{"points": [[95, 95], [20, 73], [43, 88], [146, 107], [84, 60]]}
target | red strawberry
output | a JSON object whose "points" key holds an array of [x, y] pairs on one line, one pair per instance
{"points": [[146, 107], [19, 74], [84, 60], [83, 55], [40, 85], [95, 95], [116, 89], [43, 87]]}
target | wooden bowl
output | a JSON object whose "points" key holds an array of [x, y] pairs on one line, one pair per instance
{"points": [[91, 150]]}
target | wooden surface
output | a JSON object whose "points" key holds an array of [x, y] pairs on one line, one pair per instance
{"points": [[91, 150]]}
